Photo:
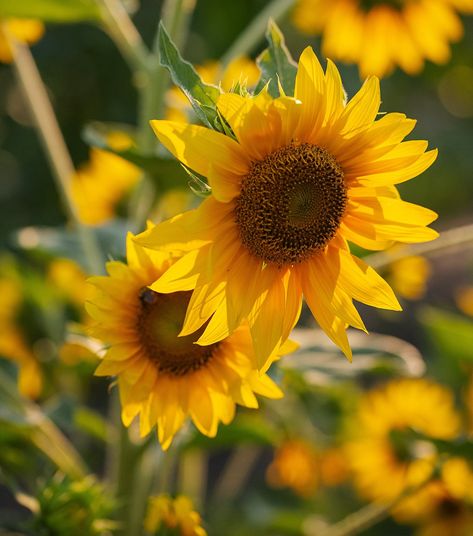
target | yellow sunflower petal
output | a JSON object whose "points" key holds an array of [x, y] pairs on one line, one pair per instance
{"points": [[187, 231], [364, 284], [309, 89], [199, 147], [363, 107]]}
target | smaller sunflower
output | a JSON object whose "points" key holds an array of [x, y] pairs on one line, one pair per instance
{"points": [[382, 34], [162, 377], [383, 445]]}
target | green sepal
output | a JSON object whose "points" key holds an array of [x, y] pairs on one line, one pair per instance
{"points": [[276, 64], [203, 97]]}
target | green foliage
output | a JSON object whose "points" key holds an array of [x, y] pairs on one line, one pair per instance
{"points": [[245, 430], [451, 333], [51, 10], [72, 508], [203, 97], [276, 64]]}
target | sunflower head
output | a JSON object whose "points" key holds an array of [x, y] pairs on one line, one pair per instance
{"points": [[162, 376], [296, 178], [384, 441]]}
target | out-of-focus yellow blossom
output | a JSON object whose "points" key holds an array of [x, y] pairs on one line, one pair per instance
{"points": [[100, 184], [24, 30], [241, 69], [173, 202], [295, 466], [333, 466], [70, 280], [12, 342], [118, 140], [382, 443], [178, 514], [464, 299], [408, 276], [382, 34], [457, 475]]}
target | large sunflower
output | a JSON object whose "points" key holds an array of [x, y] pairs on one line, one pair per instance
{"points": [[161, 377], [301, 177], [380, 34]]}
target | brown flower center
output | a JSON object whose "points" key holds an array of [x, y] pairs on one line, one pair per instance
{"points": [[291, 204], [368, 5], [159, 323]]}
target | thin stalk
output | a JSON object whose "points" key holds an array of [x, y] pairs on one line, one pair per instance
{"points": [[124, 34], [175, 16], [193, 475], [154, 83], [251, 36], [128, 458], [54, 144], [151, 460], [368, 516], [459, 236], [236, 473], [44, 434]]}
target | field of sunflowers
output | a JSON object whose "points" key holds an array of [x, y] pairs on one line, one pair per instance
{"points": [[236, 268]]}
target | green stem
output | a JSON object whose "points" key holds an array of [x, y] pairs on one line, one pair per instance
{"points": [[193, 475], [128, 457], [154, 84], [236, 473], [54, 145], [124, 34], [251, 36], [459, 236], [150, 462], [368, 516], [175, 16]]}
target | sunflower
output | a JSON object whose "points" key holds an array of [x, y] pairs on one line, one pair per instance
{"points": [[301, 177], [383, 444], [23, 30], [162, 377], [380, 34]]}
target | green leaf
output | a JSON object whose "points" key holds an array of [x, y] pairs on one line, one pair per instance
{"points": [[51, 10], [452, 334], [276, 64], [203, 97]]}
